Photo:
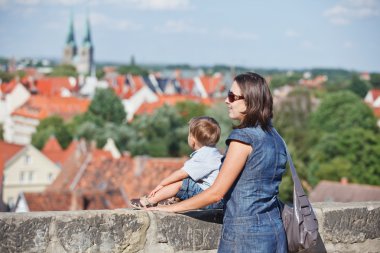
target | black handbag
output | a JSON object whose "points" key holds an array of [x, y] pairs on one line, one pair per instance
{"points": [[300, 222]]}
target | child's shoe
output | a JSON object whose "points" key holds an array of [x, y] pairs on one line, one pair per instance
{"points": [[141, 203]]}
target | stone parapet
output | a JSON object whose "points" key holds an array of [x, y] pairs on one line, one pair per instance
{"points": [[344, 227]]}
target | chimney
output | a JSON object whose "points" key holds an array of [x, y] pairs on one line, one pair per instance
{"points": [[344, 181], [76, 201]]}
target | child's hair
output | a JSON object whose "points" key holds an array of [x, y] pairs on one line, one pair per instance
{"points": [[205, 130]]}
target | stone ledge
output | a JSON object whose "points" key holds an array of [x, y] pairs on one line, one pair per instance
{"points": [[344, 227]]}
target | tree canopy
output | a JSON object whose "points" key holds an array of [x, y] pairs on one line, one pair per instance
{"points": [[106, 106], [342, 110], [64, 70], [53, 125]]}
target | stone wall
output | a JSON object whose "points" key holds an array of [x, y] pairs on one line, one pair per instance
{"points": [[344, 227]]}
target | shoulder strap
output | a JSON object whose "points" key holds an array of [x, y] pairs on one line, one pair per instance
{"points": [[297, 183]]}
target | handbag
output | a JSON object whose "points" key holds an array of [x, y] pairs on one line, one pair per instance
{"points": [[300, 222]]}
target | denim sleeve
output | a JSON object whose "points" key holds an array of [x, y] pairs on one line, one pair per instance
{"points": [[239, 135]]}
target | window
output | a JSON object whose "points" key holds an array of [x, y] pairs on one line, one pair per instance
{"points": [[28, 159], [10, 201], [22, 176], [31, 173], [50, 177]]}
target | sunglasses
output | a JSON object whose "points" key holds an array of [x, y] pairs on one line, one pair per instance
{"points": [[232, 97]]}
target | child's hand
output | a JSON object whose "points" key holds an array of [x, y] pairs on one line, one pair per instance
{"points": [[152, 193]]}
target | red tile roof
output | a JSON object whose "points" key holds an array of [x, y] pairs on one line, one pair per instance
{"points": [[213, 83], [53, 86], [338, 192], [40, 107], [149, 108], [52, 145], [66, 201], [8, 150], [70, 161], [136, 84], [187, 85], [375, 93], [8, 87], [376, 111]]}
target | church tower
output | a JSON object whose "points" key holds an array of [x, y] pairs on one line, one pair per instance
{"points": [[86, 53], [70, 49]]}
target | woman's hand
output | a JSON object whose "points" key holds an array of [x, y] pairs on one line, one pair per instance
{"points": [[152, 193]]}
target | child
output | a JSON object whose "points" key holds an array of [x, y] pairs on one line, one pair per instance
{"points": [[197, 174]]}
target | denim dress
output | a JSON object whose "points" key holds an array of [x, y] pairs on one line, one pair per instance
{"points": [[252, 220]]}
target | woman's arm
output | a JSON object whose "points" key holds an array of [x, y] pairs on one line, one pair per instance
{"points": [[233, 164], [172, 178]]}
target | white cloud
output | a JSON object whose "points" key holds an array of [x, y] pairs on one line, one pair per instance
{"points": [[140, 4], [349, 10], [99, 19], [162, 4], [232, 34], [3, 4], [179, 26], [291, 33]]}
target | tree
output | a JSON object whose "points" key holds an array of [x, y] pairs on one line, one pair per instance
{"points": [[190, 109], [342, 110], [358, 86], [133, 70], [353, 153], [53, 125], [160, 134], [64, 70], [375, 80], [219, 112], [106, 107]]}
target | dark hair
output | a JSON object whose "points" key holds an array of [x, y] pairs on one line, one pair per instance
{"points": [[205, 130], [258, 100]]}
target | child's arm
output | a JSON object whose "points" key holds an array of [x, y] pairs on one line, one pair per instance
{"points": [[172, 178]]}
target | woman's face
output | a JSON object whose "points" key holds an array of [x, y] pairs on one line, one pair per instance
{"points": [[236, 108]]}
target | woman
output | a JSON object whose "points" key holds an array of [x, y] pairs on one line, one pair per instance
{"points": [[250, 174]]}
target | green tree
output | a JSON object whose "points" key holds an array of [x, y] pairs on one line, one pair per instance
{"points": [[53, 125], [133, 70], [106, 107], [190, 109], [160, 134], [358, 86], [342, 110], [64, 70], [375, 80], [353, 153], [220, 113]]}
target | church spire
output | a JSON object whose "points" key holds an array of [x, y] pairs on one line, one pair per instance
{"points": [[87, 38], [70, 41]]}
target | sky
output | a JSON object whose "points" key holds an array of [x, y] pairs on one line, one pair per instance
{"points": [[284, 34]]}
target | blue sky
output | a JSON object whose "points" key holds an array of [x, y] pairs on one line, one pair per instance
{"points": [[253, 33]]}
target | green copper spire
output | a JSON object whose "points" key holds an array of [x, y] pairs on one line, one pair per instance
{"points": [[70, 41], [87, 38]]}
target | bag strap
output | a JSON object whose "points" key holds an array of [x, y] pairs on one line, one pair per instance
{"points": [[297, 183]]}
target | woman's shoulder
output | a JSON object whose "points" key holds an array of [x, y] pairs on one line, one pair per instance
{"points": [[245, 135]]}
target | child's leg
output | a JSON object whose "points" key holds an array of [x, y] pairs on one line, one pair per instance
{"points": [[166, 192]]}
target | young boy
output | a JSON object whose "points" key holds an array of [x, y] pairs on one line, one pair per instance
{"points": [[197, 174]]}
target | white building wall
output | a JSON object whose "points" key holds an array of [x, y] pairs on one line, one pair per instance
{"points": [[19, 129], [27, 171], [144, 95]]}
